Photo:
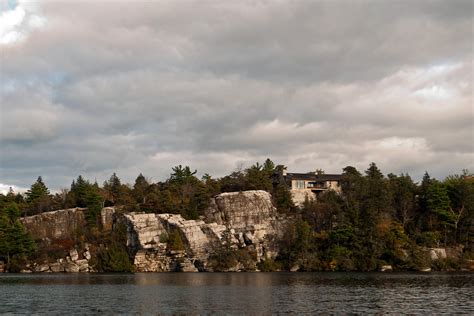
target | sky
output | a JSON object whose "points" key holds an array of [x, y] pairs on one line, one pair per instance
{"points": [[96, 87]]}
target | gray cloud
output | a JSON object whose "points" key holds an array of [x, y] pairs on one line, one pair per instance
{"points": [[141, 87]]}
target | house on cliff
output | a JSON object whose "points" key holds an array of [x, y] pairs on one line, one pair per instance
{"points": [[308, 185]]}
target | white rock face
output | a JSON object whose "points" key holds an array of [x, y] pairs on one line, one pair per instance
{"points": [[437, 253], [107, 217], [144, 230], [240, 210], [249, 216], [193, 231]]}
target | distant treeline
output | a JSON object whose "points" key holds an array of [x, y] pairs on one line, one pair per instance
{"points": [[376, 219]]}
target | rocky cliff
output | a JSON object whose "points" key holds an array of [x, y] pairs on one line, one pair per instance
{"points": [[249, 218], [241, 221], [61, 224], [245, 224]]}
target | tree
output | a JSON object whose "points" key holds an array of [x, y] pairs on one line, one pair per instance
{"points": [[37, 190], [14, 239], [140, 189], [269, 166], [438, 203], [425, 218], [403, 196], [182, 175], [93, 202], [38, 197], [281, 193], [460, 189], [113, 188], [78, 190]]}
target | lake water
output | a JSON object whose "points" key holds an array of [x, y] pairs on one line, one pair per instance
{"points": [[237, 293]]}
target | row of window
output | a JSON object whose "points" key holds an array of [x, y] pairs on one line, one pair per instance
{"points": [[300, 184]]}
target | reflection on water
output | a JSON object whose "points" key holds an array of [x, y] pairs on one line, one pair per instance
{"points": [[145, 293]]}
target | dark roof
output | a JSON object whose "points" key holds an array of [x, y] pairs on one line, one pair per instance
{"points": [[313, 177]]}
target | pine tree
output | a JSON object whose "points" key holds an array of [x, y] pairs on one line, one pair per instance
{"points": [[113, 187], [140, 189], [38, 197], [37, 191], [14, 239]]}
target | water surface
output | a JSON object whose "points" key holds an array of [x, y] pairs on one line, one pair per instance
{"points": [[237, 293]]}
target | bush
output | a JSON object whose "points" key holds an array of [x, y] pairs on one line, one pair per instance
{"points": [[174, 241], [269, 265], [445, 264], [113, 257], [429, 239]]}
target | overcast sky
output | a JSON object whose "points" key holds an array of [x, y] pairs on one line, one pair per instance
{"points": [[96, 87]]}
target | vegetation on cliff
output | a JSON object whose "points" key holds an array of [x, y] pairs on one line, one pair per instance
{"points": [[376, 219], [379, 220], [15, 242]]}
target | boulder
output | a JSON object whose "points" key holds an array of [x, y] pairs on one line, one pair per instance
{"points": [[386, 268], [73, 254], [437, 253], [56, 267], [87, 255], [71, 267], [41, 268], [187, 266]]}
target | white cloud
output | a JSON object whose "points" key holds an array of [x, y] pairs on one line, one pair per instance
{"points": [[5, 188], [17, 23]]}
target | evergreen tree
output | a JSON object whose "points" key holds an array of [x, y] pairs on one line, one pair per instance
{"points": [[79, 190], [140, 189], [281, 192], [14, 239], [38, 197], [37, 191], [113, 187], [403, 195]]}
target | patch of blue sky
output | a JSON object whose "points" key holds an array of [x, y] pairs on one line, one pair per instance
{"points": [[8, 5]]}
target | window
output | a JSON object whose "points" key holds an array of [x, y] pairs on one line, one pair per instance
{"points": [[299, 184]]}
